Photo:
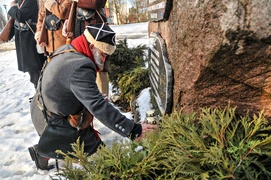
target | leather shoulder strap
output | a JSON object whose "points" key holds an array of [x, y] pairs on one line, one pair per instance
{"points": [[40, 98], [21, 4], [61, 52]]}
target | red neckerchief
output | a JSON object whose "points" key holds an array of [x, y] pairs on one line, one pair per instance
{"points": [[81, 45]]}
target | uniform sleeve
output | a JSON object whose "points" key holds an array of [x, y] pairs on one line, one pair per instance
{"points": [[91, 4], [84, 87], [28, 9], [60, 9], [41, 16]]}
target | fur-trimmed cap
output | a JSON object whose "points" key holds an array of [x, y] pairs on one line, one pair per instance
{"points": [[102, 37]]}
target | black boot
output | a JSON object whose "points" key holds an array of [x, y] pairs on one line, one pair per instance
{"points": [[41, 162]]}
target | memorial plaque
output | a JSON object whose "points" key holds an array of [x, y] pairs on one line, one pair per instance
{"points": [[161, 75], [159, 9]]}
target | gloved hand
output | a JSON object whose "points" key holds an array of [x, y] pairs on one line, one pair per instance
{"points": [[64, 30], [49, 3], [13, 3], [37, 37]]}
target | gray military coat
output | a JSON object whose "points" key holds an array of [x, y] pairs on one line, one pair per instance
{"points": [[69, 84]]}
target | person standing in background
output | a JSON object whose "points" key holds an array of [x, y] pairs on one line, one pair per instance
{"points": [[61, 8], [92, 12], [55, 12], [88, 12], [25, 13]]}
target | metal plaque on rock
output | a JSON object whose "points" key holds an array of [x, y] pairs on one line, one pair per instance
{"points": [[161, 75], [159, 9]]}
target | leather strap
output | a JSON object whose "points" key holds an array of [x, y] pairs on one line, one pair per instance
{"points": [[40, 98]]}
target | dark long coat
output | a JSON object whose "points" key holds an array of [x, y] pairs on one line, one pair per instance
{"points": [[27, 55]]}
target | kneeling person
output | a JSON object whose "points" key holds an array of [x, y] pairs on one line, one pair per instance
{"points": [[68, 86]]}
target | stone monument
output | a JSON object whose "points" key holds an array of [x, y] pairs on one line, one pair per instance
{"points": [[220, 52]]}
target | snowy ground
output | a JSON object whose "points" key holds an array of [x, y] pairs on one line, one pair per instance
{"points": [[17, 132]]}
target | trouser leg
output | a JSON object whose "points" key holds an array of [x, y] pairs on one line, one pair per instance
{"points": [[34, 77], [102, 81]]}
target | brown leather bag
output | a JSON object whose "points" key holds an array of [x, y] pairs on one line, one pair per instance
{"points": [[75, 119], [8, 31]]}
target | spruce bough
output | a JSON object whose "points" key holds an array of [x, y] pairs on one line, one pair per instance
{"points": [[212, 144]]}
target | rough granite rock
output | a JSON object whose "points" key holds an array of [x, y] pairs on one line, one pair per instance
{"points": [[220, 52]]}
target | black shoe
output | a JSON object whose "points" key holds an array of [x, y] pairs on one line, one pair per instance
{"points": [[41, 162]]}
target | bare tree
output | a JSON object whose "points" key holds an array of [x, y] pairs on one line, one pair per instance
{"points": [[119, 7], [134, 8], [140, 7]]}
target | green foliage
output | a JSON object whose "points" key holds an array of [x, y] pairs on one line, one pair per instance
{"points": [[126, 73], [120, 161], [125, 59], [214, 144], [132, 83]]}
